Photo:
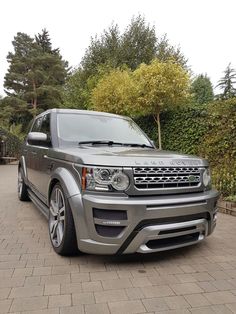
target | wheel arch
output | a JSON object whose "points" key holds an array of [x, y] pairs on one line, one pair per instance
{"points": [[67, 180]]}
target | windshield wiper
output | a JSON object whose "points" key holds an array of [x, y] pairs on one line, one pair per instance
{"points": [[110, 143], [100, 142], [137, 145]]}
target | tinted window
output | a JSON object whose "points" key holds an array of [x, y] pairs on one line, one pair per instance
{"points": [[42, 124], [45, 126], [74, 128], [37, 125]]}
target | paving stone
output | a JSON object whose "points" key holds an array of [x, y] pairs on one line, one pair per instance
{"points": [[197, 300], [103, 275], [186, 288], [6, 273], [91, 286], [4, 293], [157, 291], [110, 296], [65, 269], [74, 287], [83, 298], [46, 311], [207, 286], [155, 304], [29, 291], [101, 308], [29, 304], [220, 297], [163, 279], [39, 271], [78, 309], [59, 300], [32, 281], [18, 272], [52, 289], [203, 310], [140, 282], [224, 309], [202, 276], [131, 307], [222, 284], [116, 283], [185, 278], [12, 282], [5, 305], [55, 279], [219, 274], [134, 293], [176, 302], [80, 277]]}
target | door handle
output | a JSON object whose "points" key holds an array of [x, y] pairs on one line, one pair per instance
{"points": [[34, 153]]}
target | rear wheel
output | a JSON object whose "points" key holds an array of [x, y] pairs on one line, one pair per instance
{"points": [[22, 187], [61, 223]]}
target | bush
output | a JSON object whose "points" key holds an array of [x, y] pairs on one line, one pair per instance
{"points": [[13, 143], [205, 130]]}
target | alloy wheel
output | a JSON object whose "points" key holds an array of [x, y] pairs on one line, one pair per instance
{"points": [[20, 183], [57, 217]]}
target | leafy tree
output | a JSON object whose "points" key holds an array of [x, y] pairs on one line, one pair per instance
{"points": [[44, 41], [103, 50], [35, 75], [165, 51], [227, 83], [147, 91], [78, 89], [115, 92], [202, 89], [138, 44], [160, 85]]}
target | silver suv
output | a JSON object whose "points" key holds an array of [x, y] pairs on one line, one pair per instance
{"points": [[106, 189]]}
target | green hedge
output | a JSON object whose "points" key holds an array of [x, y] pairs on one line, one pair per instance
{"points": [[12, 141], [205, 130]]}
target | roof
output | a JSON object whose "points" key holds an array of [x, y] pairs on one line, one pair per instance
{"points": [[76, 111]]}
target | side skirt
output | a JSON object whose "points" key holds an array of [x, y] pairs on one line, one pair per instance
{"points": [[39, 204]]}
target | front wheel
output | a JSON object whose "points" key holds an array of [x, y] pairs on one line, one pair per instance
{"points": [[22, 187], [61, 223]]}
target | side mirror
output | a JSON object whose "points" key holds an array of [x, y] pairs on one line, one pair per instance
{"points": [[37, 138]]}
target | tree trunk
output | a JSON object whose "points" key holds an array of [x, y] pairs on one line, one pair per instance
{"points": [[159, 129]]}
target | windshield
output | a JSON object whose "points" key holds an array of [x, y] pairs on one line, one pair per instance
{"points": [[76, 128]]}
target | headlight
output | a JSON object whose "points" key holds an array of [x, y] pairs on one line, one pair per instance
{"points": [[206, 178], [104, 179]]}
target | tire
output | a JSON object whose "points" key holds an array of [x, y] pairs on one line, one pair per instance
{"points": [[61, 223], [22, 187]]}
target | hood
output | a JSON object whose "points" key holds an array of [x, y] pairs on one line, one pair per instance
{"points": [[124, 156]]}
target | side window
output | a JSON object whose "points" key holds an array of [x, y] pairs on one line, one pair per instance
{"points": [[42, 124], [45, 126], [37, 125]]}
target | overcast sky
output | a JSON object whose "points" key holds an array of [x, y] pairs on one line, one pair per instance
{"points": [[204, 29]]}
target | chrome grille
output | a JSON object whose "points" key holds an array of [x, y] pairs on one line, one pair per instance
{"points": [[164, 177]]}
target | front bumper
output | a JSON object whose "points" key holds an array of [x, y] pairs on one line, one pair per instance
{"points": [[111, 224]]}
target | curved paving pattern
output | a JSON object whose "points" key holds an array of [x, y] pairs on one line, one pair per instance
{"points": [[33, 279]]}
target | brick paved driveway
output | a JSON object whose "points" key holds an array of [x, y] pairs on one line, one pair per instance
{"points": [[33, 279]]}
